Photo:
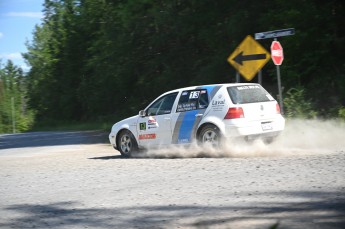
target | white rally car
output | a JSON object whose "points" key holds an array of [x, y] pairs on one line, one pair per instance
{"points": [[206, 114]]}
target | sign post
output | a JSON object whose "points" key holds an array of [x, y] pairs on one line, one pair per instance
{"points": [[238, 78], [260, 77], [278, 57], [277, 54]]}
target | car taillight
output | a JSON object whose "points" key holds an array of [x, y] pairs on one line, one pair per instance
{"points": [[278, 108], [234, 112]]}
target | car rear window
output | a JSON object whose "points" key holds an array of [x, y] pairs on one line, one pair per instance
{"points": [[249, 94]]}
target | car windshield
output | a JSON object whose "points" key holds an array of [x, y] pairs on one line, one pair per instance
{"points": [[248, 94]]}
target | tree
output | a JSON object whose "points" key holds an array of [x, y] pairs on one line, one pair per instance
{"points": [[13, 100], [95, 58]]}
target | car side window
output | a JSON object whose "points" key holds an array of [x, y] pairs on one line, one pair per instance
{"points": [[193, 100], [163, 105]]}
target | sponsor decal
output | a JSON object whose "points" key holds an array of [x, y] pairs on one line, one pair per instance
{"points": [[142, 126], [181, 141], [189, 106], [152, 120], [147, 136], [218, 105], [151, 127], [270, 97], [248, 87], [152, 123]]}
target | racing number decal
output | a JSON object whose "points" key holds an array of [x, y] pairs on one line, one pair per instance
{"points": [[194, 94]]}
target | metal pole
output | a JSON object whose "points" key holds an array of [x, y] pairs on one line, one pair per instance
{"points": [[260, 77], [280, 90], [13, 116], [238, 77]]}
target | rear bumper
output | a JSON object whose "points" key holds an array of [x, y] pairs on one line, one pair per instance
{"points": [[268, 136], [255, 129]]}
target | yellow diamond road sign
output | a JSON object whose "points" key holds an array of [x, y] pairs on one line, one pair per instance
{"points": [[249, 57]]}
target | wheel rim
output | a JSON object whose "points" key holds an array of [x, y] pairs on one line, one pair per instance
{"points": [[126, 143], [211, 137]]}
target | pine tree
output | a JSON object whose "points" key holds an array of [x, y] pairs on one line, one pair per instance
{"points": [[14, 115]]}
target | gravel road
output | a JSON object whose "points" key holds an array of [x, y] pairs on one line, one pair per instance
{"points": [[76, 180]]}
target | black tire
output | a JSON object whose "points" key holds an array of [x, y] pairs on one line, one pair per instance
{"points": [[210, 134], [268, 141], [126, 143]]}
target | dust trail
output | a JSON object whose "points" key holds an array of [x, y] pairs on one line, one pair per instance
{"points": [[300, 137]]}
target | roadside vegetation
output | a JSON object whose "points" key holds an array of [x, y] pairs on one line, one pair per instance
{"points": [[298, 106], [15, 116], [104, 125], [96, 58]]}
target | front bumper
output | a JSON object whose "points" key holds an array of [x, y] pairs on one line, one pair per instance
{"points": [[112, 140]]}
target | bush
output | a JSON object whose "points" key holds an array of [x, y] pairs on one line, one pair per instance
{"points": [[297, 105], [341, 113]]}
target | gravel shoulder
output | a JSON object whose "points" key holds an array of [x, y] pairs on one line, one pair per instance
{"points": [[92, 186]]}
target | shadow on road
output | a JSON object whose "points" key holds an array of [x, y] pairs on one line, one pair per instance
{"points": [[323, 210], [39, 139], [108, 157]]}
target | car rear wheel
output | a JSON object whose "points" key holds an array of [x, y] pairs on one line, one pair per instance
{"points": [[127, 145], [268, 141], [210, 135]]}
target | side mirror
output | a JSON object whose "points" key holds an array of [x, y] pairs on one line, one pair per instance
{"points": [[142, 113]]}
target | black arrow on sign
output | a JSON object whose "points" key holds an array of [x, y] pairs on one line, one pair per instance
{"points": [[240, 57]]}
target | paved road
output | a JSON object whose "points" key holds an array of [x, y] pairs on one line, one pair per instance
{"points": [[66, 182], [39, 139]]}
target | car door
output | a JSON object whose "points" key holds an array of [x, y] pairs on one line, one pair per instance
{"points": [[155, 127], [190, 109]]}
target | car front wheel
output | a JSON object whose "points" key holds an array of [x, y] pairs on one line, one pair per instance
{"points": [[126, 143]]}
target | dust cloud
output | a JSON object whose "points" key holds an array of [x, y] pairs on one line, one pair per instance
{"points": [[300, 137]]}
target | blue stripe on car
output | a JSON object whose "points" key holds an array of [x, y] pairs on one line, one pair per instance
{"points": [[186, 128], [177, 127], [188, 125], [209, 90]]}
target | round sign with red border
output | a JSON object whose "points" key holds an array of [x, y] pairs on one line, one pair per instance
{"points": [[277, 53]]}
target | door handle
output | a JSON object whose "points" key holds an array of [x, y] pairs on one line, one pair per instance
{"points": [[199, 115], [167, 118]]}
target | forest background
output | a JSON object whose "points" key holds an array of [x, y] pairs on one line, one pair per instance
{"points": [[102, 60]]}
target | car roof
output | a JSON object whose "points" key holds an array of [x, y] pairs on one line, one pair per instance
{"points": [[209, 85]]}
